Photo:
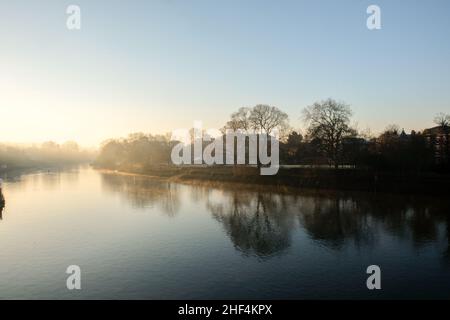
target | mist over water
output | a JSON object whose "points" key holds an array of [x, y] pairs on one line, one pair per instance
{"points": [[135, 237]]}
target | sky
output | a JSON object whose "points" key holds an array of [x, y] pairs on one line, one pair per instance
{"points": [[157, 65]]}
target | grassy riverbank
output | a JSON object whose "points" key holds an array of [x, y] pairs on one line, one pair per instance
{"points": [[310, 178]]}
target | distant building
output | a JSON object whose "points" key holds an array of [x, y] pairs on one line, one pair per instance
{"points": [[438, 137]]}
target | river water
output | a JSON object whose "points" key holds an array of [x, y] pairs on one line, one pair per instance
{"points": [[139, 238]]}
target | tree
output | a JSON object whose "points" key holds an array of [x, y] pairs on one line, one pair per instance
{"points": [[265, 119], [294, 139], [392, 129], [289, 150], [70, 146], [442, 120], [259, 119], [240, 120], [329, 122], [112, 154]]}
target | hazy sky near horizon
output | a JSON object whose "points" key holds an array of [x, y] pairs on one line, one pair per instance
{"points": [[158, 65]]}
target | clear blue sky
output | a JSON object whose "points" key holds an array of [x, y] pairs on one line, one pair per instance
{"points": [[154, 66]]}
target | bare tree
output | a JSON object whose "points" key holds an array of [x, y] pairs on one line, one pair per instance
{"points": [[329, 122], [442, 120], [240, 120], [392, 129], [259, 119], [264, 119]]}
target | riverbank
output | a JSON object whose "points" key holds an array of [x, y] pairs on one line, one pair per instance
{"points": [[17, 171], [6, 173], [304, 178]]}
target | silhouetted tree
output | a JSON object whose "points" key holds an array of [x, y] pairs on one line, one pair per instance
{"points": [[240, 120], [138, 151], [264, 119], [290, 150], [261, 119], [442, 120], [329, 123]]}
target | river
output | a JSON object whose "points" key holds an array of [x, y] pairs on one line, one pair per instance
{"points": [[140, 238]]}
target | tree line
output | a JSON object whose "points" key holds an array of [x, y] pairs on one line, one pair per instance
{"points": [[329, 140], [46, 154]]}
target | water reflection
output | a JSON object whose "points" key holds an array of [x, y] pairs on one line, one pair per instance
{"points": [[257, 223], [143, 192], [333, 221], [261, 223], [51, 179], [175, 238]]}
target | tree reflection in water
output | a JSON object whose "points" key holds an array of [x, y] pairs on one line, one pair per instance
{"points": [[262, 223], [257, 223], [333, 221], [143, 192]]}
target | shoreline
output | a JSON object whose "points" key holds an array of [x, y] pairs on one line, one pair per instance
{"points": [[296, 179]]}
